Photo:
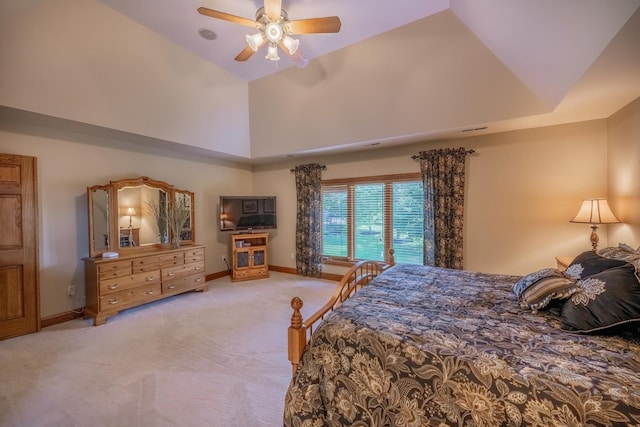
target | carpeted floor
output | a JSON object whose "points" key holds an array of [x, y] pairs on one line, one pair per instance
{"points": [[199, 359]]}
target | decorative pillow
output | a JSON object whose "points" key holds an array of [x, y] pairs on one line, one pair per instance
{"points": [[590, 263], [606, 300], [536, 290], [622, 252]]}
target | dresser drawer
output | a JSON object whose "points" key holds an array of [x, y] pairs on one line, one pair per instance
{"points": [[155, 262], [118, 284], [253, 273], [130, 297], [114, 269], [171, 273], [183, 283], [194, 255]]}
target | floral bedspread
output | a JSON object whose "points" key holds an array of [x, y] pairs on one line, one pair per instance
{"points": [[424, 346]]}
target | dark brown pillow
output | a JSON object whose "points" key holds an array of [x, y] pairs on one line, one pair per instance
{"points": [[610, 299], [590, 263]]}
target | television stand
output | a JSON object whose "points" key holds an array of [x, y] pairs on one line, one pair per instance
{"points": [[249, 256]]}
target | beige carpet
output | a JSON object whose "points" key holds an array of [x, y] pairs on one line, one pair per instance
{"points": [[199, 359]]}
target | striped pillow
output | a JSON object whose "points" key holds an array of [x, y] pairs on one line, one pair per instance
{"points": [[536, 290]]}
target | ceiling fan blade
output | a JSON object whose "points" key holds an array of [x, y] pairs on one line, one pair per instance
{"points": [[227, 17], [273, 9], [246, 53], [329, 24]]}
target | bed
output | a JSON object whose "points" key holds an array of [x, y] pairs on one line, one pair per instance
{"points": [[425, 346]]}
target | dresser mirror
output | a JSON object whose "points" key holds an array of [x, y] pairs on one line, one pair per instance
{"points": [[183, 199], [135, 214], [98, 219]]}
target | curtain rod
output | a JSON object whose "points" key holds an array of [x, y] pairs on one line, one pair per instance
{"points": [[417, 156], [323, 167]]}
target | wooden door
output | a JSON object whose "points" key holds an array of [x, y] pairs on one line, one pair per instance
{"points": [[19, 275]]}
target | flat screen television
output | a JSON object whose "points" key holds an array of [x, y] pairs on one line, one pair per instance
{"points": [[245, 213]]}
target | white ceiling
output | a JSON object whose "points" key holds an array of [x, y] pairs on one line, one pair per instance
{"points": [[178, 20], [579, 58]]}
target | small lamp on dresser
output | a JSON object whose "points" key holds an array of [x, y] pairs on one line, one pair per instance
{"points": [[595, 212], [131, 212]]}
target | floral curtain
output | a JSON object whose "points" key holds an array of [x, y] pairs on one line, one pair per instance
{"points": [[443, 175], [309, 219]]}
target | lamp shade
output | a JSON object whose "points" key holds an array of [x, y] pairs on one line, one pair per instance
{"points": [[595, 211], [291, 44], [272, 53], [255, 41], [131, 211]]}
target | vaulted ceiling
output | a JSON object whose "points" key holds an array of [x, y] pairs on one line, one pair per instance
{"points": [[400, 71]]}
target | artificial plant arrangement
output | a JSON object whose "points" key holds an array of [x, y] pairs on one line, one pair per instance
{"points": [[159, 212], [174, 218], [178, 215]]}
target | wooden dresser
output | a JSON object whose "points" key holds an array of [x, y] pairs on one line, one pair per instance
{"points": [[115, 284]]}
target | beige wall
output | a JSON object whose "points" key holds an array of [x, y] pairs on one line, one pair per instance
{"points": [[81, 60], [70, 162], [523, 187], [624, 180], [362, 93]]}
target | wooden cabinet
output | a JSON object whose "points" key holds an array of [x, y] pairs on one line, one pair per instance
{"points": [[129, 237], [249, 255], [115, 284]]}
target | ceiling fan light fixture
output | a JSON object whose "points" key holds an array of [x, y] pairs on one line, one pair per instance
{"points": [[255, 41], [272, 53], [273, 32], [291, 44]]}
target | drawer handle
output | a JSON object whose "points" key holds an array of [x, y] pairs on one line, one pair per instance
{"points": [[199, 279], [150, 291], [198, 268], [171, 286], [114, 301], [112, 287], [150, 278], [171, 273]]}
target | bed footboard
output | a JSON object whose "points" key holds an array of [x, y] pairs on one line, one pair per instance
{"points": [[355, 278]]}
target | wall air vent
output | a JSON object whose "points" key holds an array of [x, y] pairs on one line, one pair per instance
{"points": [[474, 129]]}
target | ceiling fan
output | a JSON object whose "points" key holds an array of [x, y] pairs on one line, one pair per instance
{"points": [[275, 29]]}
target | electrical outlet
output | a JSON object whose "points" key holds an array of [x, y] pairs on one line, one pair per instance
{"points": [[71, 290]]}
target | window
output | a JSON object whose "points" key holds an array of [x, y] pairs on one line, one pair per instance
{"points": [[363, 217]]}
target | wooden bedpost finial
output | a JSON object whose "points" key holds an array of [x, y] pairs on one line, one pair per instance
{"points": [[296, 317], [392, 259]]}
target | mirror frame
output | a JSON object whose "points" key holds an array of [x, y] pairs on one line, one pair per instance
{"points": [[114, 213]]}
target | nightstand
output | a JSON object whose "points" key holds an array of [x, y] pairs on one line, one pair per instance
{"points": [[563, 262]]}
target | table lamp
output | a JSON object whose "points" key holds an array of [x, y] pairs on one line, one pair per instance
{"points": [[595, 212]]}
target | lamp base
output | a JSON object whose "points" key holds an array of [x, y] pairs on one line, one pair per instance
{"points": [[594, 237]]}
